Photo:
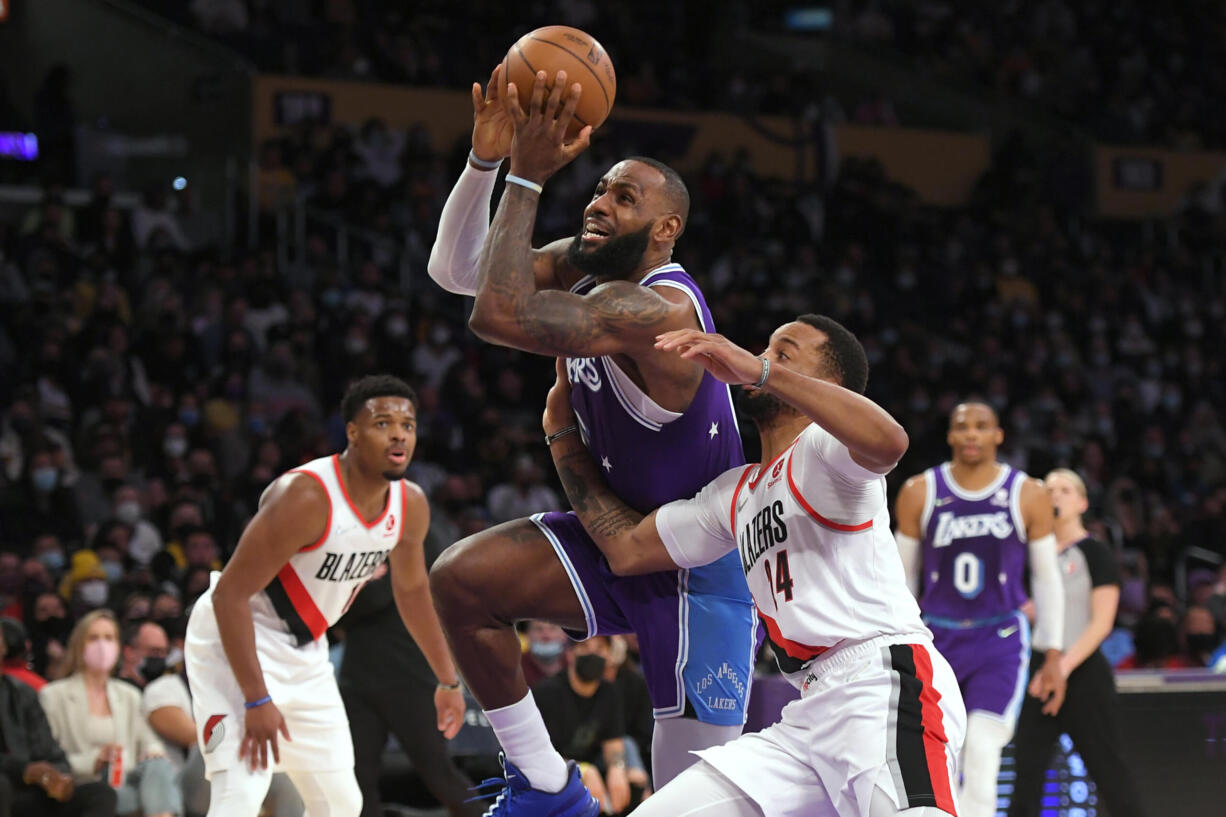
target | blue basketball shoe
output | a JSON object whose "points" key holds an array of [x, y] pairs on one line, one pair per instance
{"points": [[519, 799]]}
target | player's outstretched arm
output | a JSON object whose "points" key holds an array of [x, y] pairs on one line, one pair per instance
{"points": [[293, 514], [874, 438], [627, 538], [411, 589], [465, 219]]}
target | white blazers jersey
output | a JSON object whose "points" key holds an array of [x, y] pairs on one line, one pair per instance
{"points": [[812, 528], [316, 586]]}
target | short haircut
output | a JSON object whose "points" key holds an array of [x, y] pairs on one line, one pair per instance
{"points": [[974, 401], [842, 351], [675, 191], [1072, 476], [371, 386]]}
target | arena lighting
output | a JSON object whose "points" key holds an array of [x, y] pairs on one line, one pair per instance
{"points": [[17, 145]]}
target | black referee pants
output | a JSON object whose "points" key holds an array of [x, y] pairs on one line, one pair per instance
{"points": [[407, 713], [1090, 716]]}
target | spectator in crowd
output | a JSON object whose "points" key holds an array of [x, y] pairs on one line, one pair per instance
{"points": [[545, 653], [17, 655], [1201, 635], [586, 721], [50, 628], [35, 777], [627, 677], [98, 721], [524, 495], [143, 657]]}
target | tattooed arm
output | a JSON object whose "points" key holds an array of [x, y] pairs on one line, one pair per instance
{"points": [[631, 541], [510, 310]]}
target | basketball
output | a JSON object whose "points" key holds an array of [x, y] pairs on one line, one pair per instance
{"points": [[562, 48]]}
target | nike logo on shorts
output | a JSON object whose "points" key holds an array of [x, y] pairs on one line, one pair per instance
{"points": [[1005, 632]]}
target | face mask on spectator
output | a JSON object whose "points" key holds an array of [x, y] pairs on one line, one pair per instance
{"points": [[355, 345], [100, 655], [113, 570], [546, 650], [174, 447], [189, 417], [45, 479], [256, 425], [53, 560], [175, 656], [128, 512], [152, 667], [142, 549], [589, 667], [93, 592], [397, 327], [1201, 644]]}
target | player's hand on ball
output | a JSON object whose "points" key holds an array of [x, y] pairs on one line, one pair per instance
{"points": [[492, 127], [539, 149], [261, 726], [721, 357], [449, 705], [558, 411]]}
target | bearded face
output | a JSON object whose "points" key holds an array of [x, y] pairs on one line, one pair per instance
{"points": [[615, 257]]}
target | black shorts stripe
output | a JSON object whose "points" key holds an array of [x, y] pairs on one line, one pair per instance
{"points": [[285, 609], [912, 759], [787, 663]]}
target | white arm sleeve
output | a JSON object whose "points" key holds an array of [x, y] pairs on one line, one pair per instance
{"points": [[698, 531], [462, 228], [1048, 593], [912, 560]]}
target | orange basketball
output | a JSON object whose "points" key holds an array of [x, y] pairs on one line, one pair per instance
{"points": [[562, 48]]}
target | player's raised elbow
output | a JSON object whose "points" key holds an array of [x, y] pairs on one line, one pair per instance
{"points": [[895, 442]]}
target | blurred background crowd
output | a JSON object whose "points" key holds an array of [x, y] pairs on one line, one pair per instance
{"points": [[155, 380]]}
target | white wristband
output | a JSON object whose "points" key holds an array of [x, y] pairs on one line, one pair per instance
{"points": [[766, 372], [522, 182], [482, 163]]}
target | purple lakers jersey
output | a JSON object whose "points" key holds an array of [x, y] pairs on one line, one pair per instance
{"points": [[974, 547], [650, 455]]}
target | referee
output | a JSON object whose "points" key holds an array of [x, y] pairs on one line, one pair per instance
{"points": [[1090, 712]]}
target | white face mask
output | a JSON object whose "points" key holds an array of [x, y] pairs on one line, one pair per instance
{"points": [[128, 512], [174, 446], [93, 592]]}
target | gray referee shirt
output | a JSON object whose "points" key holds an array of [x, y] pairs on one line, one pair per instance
{"points": [[1084, 565]]}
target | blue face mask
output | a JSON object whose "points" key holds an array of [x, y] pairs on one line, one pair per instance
{"points": [[113, 570], [546, 650], [53, 560], [189, 417], [45, 479]]}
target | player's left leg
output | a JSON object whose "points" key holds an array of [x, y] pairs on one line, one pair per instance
{"points": [[699, 791], [697, 638], [994, 695], [674, 739], [328, 794]]}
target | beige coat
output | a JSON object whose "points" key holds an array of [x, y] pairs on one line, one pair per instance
{"points": [[67, 708]]}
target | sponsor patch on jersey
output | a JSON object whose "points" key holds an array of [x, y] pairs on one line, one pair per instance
{"points": [[214, 732]]}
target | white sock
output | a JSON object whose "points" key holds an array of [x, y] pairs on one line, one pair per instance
{"points": [[522, 733]]}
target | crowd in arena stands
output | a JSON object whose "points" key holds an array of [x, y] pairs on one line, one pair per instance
{"points": [[1123, 71], [153, 387]]}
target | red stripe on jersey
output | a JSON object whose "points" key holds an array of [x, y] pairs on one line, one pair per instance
{"points": [[935, 740], [765, 469], [801, 652], [821, 520], [736, 493], [304, 605], [387, 506], [328, 526], [210, 725]]}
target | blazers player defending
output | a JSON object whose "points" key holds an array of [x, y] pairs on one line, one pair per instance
{"points": [[979, 521], [256, 653], [879, 723]]}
